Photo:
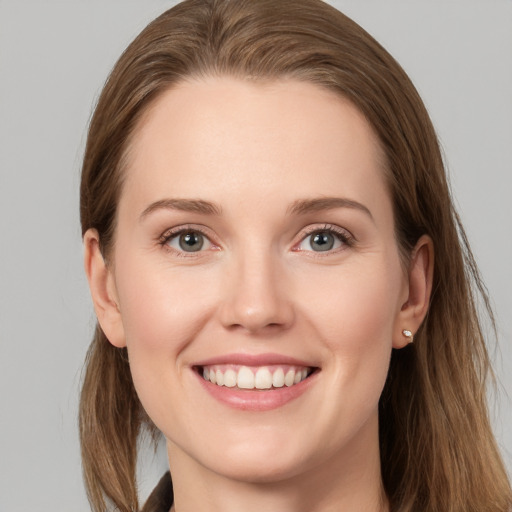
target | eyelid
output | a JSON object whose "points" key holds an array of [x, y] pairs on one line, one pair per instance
{"points": [[345, 236], [171, 233]]}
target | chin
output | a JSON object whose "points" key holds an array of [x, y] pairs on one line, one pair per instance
{"points": [[249, 456], [258, 469]]}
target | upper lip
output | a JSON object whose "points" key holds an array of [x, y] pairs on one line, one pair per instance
{"points": [[254, 360]]}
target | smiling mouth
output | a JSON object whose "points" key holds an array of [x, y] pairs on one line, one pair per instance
{"points": [[255, 377]]}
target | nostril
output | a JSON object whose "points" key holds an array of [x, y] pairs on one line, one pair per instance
{"points": [[256, 305]]}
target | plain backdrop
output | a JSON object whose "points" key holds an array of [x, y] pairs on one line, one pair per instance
{"points": [[54, 58]]}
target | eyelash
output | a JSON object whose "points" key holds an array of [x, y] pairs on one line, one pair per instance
{"points": [[346, 238], [175, 232]]}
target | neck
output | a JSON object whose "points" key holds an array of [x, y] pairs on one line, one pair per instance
{"points": [[349, 482]]}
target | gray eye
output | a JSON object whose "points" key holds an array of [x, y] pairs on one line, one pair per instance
{"points": [[191, 241], [322, 241]]}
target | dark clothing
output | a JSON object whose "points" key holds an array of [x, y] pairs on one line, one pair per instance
{"points": [[162, 497]]}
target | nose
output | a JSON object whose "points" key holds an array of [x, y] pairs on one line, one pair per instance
{"points": [[257, 296]]}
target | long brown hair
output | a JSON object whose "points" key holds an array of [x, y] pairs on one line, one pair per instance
{"points": [[438, 452]]}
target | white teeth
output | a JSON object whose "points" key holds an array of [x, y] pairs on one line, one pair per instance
{"points": [[230, 378], [245, 378], [263, 379], [289, 378], [250, 378], [278, 378]]}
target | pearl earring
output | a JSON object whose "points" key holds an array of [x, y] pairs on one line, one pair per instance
{"points": [[408, 334]]}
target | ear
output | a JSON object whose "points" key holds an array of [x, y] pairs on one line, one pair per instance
{"points": [[415, 307], [103, 290]]}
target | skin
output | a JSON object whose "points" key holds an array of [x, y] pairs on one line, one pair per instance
{"points": [[258, 286]]}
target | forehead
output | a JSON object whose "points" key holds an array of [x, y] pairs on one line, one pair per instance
{"points": [[221, 136]]}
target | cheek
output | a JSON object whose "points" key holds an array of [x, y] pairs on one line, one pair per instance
{"points": [[357, 299], [161, 309], [355, 317], [162, 312]]}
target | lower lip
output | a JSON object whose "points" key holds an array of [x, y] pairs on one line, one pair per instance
{"points": [[256, 399]]}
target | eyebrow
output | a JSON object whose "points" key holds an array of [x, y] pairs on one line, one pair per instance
{"points": [[184, 205], [299, 207], [303, 206]]}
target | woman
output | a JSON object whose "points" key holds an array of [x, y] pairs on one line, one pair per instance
{"points": [[282, 285]]}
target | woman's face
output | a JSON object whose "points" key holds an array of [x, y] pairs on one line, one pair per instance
{"points": [[255, 246]]}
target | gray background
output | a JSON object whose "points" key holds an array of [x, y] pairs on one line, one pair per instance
{"points": [[54, 57]]}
